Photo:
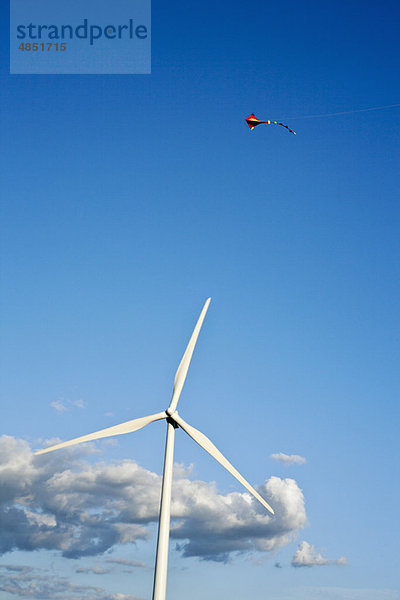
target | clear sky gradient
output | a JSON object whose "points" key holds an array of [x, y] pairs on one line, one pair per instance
{"points": [[128, 200]]}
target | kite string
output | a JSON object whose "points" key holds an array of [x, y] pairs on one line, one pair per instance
{"points": [[345, 112]]}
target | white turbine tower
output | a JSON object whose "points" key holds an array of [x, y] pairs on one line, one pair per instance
{"points": [[173, 421]]}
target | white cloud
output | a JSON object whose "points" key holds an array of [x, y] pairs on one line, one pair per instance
{"points": [[215, 525], [110, 565], [38, 584], [62, 406], [62, 502], [79, 404], [307, 556], [126, 563], [59, 406], [289, 459], [341, 561], [95, 569]]}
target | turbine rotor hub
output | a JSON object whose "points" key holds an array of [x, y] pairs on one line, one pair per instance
{"points": [[170, 417], [171, 412]]}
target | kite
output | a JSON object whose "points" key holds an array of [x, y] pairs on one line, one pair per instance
{"points": [[252, 122]]}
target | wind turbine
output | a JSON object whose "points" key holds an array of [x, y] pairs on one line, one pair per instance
{"points": [[174, 420]]}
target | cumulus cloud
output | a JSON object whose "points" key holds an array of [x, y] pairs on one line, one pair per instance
{"points": [[307, 556], [37, 584], [62, 502], [289, 459], [214, 525]]}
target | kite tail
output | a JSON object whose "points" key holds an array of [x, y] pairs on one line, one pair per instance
{"points": [[286, 127]]}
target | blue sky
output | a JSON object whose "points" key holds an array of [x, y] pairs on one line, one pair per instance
{"points": [[126, 202]]}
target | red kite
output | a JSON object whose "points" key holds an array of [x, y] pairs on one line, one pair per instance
{"points": [[252, 122]]}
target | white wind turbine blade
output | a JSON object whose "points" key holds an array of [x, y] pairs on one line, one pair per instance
{"points": [[209, 447], [126, 427], [185, 362]]}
